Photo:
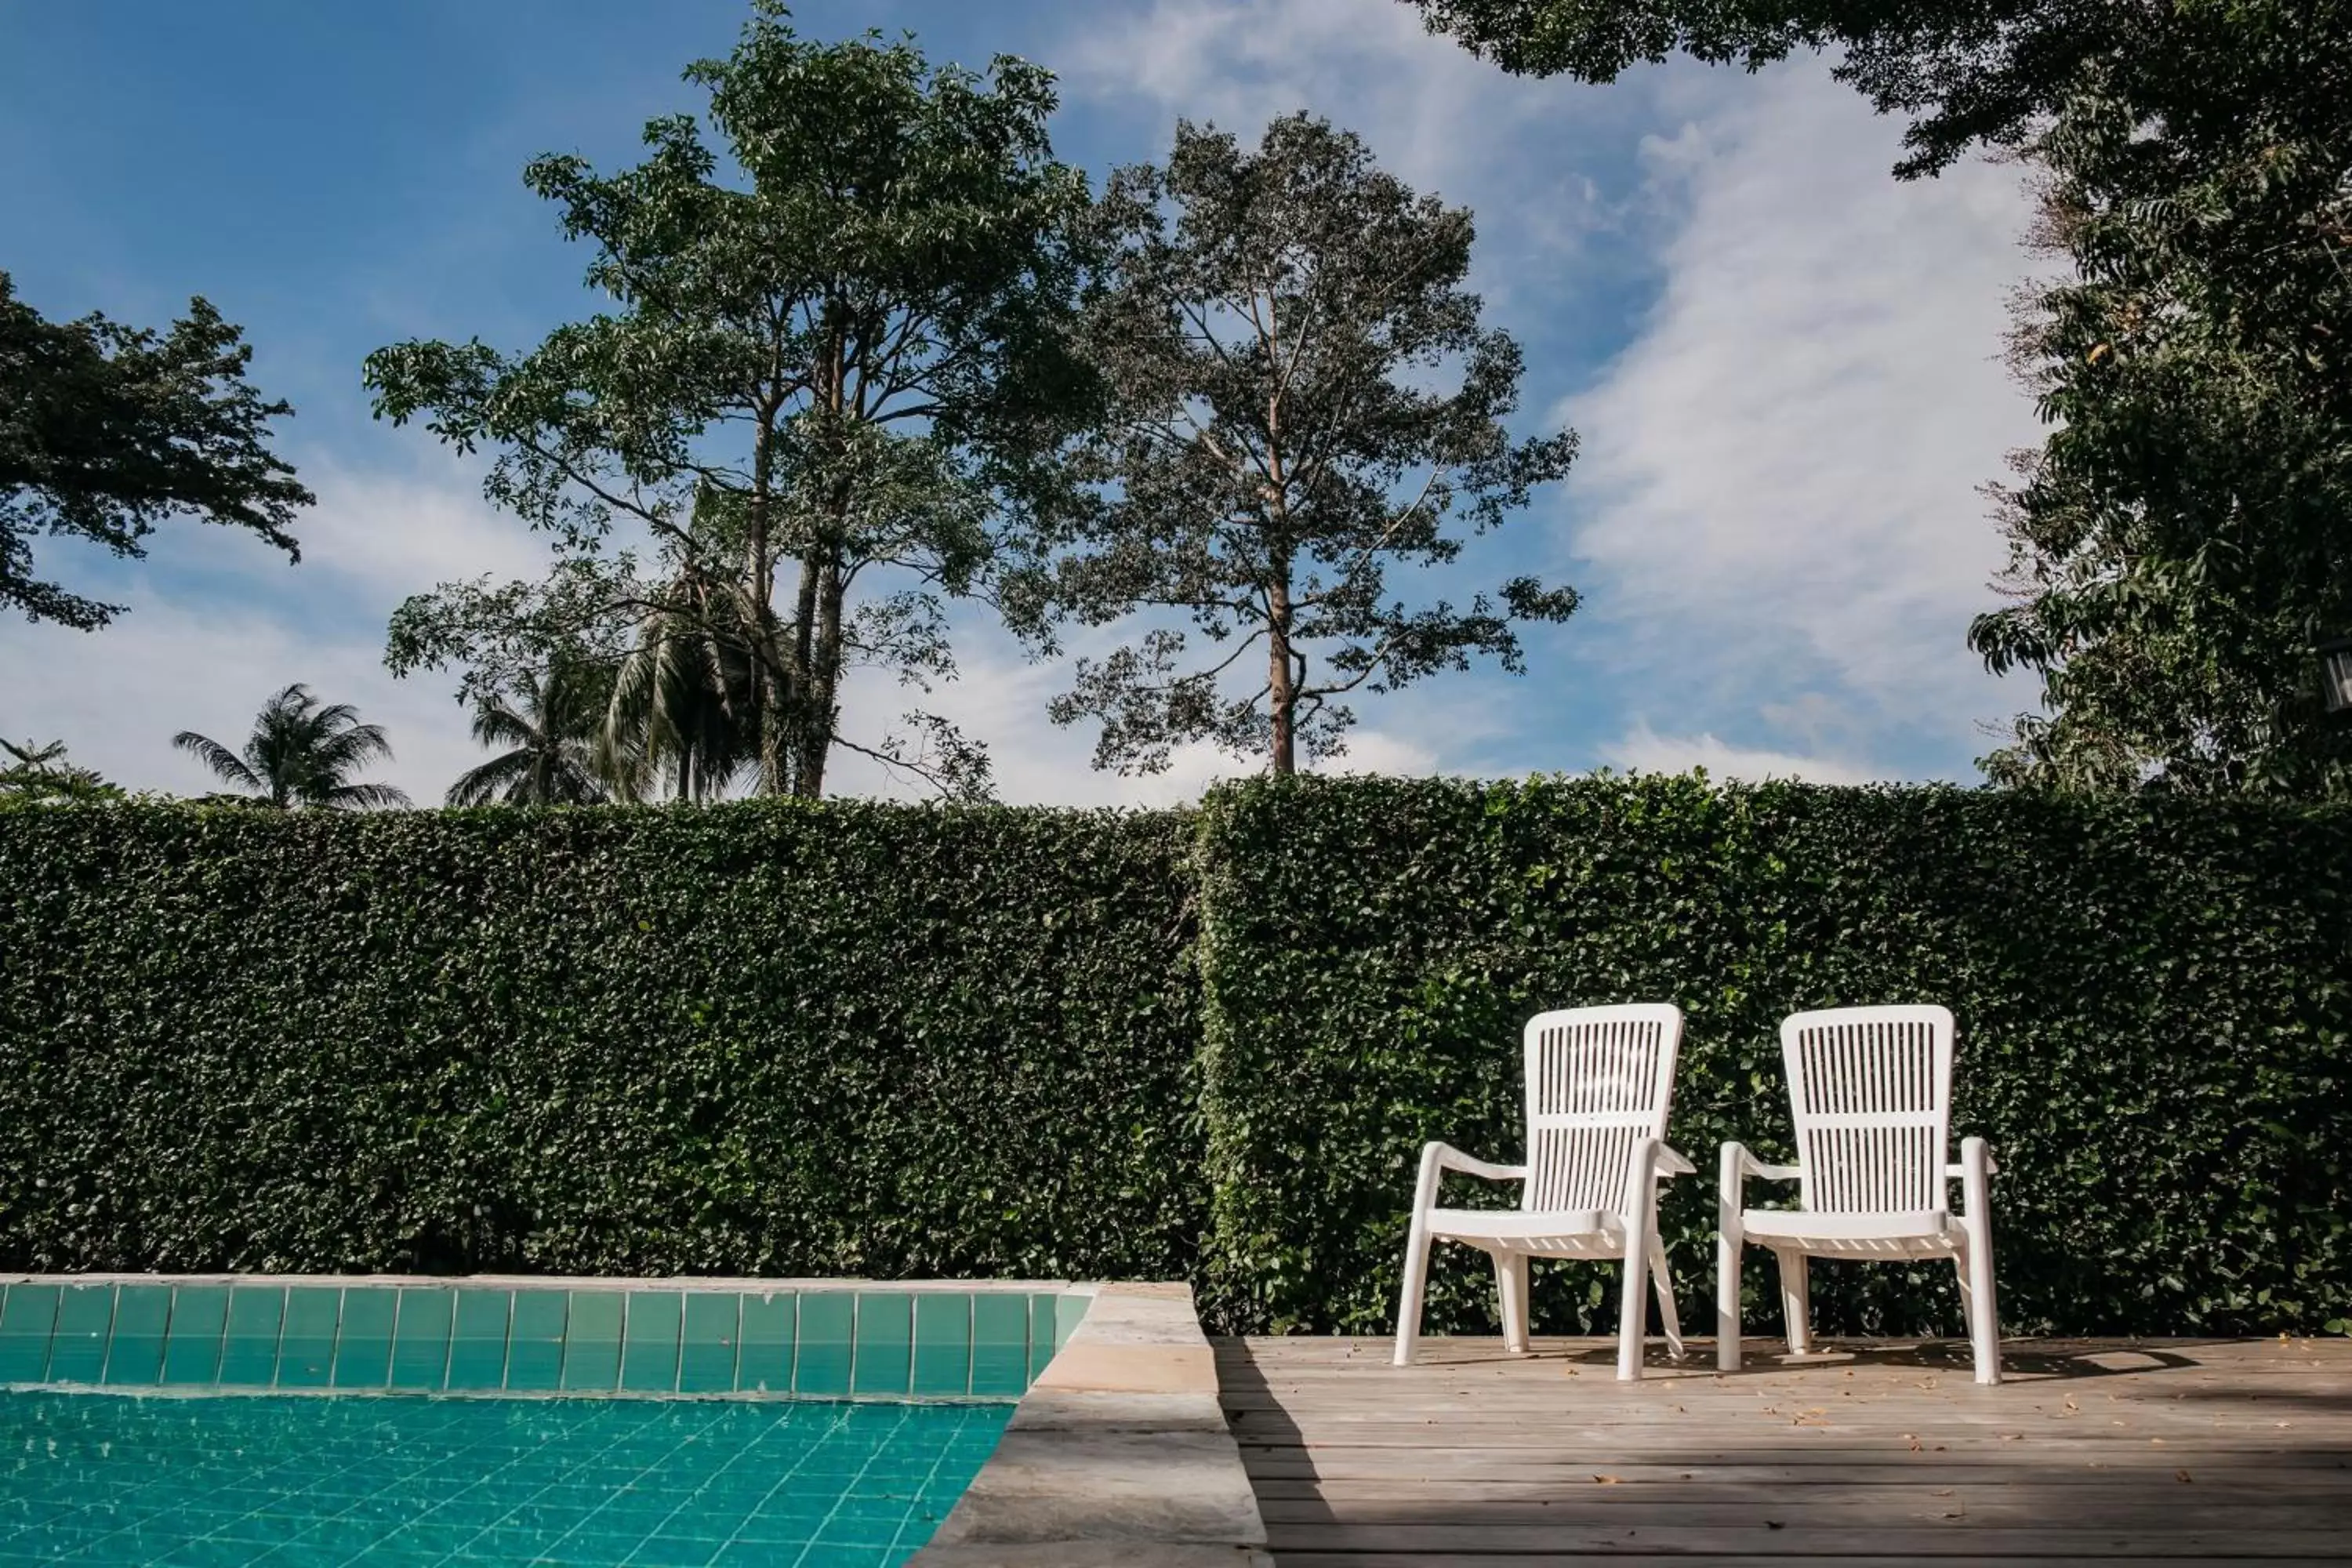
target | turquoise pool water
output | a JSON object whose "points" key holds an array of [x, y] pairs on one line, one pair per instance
{"points": [[298, 1482]]}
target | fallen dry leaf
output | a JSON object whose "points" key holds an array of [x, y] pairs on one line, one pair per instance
{"points": [[2181, 1475], [1606, 1480]]}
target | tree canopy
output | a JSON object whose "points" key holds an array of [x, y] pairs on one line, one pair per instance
{"points": [[38, 775], [2183, 539], [1302, 400], [836, 353], [106, 430], [1969, 73]]}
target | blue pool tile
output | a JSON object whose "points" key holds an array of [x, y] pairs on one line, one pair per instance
{"points": [[822, 1355], [134, 1351], [477, 1341], [249, 1346], [535, 1341], [1069, 1311], [28, 1318], [886, 1337], [78, 1349], [420, 1338], [943, 1343], [649, 1343], [1000, 1343], [363, 1342], [192, 1345], [306, 1342], [592, 1345], [764, 1350], [708, 1340], [1041, 1333]]}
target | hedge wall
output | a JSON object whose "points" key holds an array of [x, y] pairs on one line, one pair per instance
{"points": [[861, 1039], [754, 1039], [2155, 1029]]}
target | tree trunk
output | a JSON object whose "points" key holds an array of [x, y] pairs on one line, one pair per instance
{"points": [[824, 684], [1282, 699]]}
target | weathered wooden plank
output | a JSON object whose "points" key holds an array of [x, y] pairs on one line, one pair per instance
{"points": [[2144, 1545], [2185, 1452]]}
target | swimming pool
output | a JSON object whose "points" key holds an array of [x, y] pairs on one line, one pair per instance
{"points": [[294, 1482], [205, 1422]]}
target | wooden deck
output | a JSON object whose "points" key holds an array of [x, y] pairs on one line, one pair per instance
{"points": [[1868, 1455]]}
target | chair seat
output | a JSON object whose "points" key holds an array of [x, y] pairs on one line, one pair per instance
{"points": [[1925, 1229], [1566, 1231]]}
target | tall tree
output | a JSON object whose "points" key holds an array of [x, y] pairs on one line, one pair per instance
{"points": [[842, 344], [301, 753], [107, 429], [551, 726], [2184, 537], [1269, 324]]}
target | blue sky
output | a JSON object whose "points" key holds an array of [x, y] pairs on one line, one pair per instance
{"points": [[1784, 365]]}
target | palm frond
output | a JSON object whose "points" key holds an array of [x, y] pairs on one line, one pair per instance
{"points": [[226, 765], [493, 781], [362, 797]]}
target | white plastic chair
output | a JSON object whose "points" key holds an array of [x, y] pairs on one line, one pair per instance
{"points": [[1598, 1080], [1872, 1092]]}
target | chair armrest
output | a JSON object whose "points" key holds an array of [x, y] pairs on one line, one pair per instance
{"points": [[1954, 1171], [1672, 1163], [1749, 1166], [1445, 1157]]}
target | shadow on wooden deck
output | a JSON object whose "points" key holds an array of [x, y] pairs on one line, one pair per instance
{"points": [[1868, 1454]]}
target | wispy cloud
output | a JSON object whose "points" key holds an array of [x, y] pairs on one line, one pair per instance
{"points": [[1780, 488], [1644, 750]]}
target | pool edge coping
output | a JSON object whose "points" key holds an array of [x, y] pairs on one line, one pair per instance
{"points": [[1118, 1453]]}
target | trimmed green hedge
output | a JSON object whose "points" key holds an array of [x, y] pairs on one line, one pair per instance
{"points": [[777, 1039], [748, 1039], [2154, 1030]]}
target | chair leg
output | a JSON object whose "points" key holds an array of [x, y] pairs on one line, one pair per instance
{"points": [[1511, 1285], [1730, 1241], [1664, 1283], [1416, 1280], [1797, 1300], [1976, 1223]]}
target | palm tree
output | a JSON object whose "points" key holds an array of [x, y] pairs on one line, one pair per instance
{"points": [[553, 727], [301, 755], [689, 710]]}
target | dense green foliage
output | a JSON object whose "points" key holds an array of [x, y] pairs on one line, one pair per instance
{"points": [[106, 430], [751, 1040], [2155, 1002], [2184, 537], [779, 1038]]}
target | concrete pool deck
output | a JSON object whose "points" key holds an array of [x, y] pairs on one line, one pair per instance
{"points": [[1119, 1453]]}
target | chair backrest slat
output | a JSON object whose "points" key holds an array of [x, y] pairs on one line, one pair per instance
{"points": [[1870, 1091], [1598, 1080]]}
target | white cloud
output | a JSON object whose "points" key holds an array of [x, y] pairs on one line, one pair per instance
{"points": [[1520, 152], [1780, 484], [216, 622], [1643, 750]]}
